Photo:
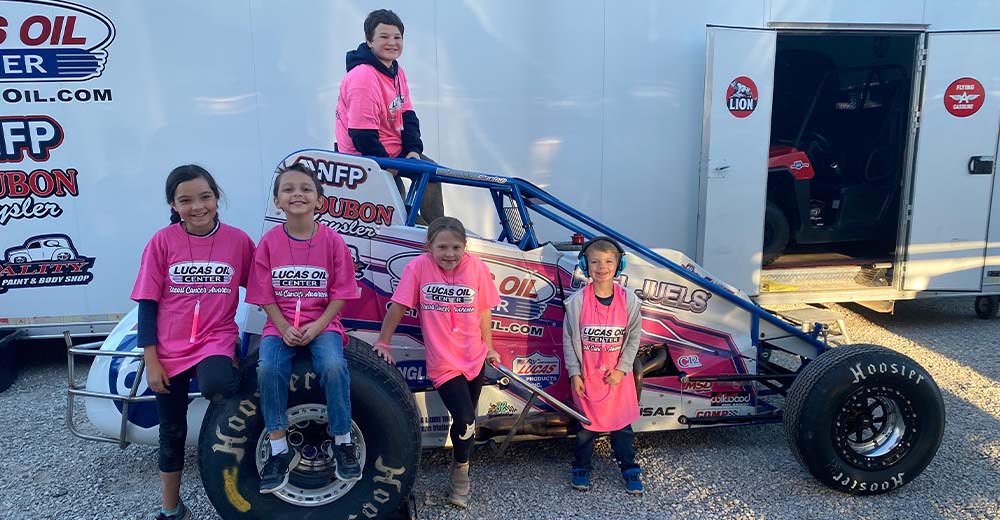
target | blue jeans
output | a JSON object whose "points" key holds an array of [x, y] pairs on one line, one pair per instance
{"points": [[275, 370], [621, 445]]}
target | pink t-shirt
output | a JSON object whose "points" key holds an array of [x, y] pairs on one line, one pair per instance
{"points": [[178, 270], [370, 100], [602, 333], [315, 271], [449, 304]]}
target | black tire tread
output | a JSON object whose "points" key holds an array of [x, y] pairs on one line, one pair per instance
{"points": [[795, 401]]}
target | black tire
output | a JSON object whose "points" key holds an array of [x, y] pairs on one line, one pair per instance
{"points": [[384, 411], [8, 363], [987, 307], [776, 233], [826, 411]]}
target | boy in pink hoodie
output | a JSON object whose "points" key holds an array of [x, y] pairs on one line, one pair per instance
{"points": [[375, 115]]}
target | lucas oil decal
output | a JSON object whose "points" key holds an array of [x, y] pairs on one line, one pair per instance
{"points": [[538, 369], [52, 40], [445, 293], [217, 273], [524, 294], [288, 276], [44, 261]]}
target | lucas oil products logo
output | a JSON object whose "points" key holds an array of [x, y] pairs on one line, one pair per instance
{"points": [[289, 276], [201, 273], [52, 40], [44, 261], [538, 369]]}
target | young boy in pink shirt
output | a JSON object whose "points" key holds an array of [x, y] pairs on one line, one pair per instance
{"points": [[601, 333], [453, 293], [375, 115], [302, 275]]}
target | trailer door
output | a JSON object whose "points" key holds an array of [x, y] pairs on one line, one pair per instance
{"points": [[739, 80], [954, 163]]}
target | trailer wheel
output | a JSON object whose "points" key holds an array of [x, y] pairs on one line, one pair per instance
{"points": [[987, 306], [232, 446], [863, 419], [776, 233]]}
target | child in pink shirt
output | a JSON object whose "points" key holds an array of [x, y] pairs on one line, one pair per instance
{"points": [[188, 290], [453, 293], [601, 333], [303, 273], [375, 115]]}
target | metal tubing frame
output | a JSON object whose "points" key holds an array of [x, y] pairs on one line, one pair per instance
{"points": [[78, 390], [517, 189]]}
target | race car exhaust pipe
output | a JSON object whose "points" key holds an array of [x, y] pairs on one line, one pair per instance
{"points": [[546, 424]]}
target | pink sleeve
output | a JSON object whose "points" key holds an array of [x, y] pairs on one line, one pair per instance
{"points": [[343, 286], [404, 89], [152, 270], [363, 101], [248, 253], [488, 295], [259, 288], [408, 291]]}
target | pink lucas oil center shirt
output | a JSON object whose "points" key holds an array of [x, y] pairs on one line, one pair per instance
{"points": [[449, 304], [602, 332], [315, 271], [369, 100], [177, 270]]}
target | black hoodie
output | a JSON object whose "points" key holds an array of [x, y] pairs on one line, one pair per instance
{"points": [[366, 141]]}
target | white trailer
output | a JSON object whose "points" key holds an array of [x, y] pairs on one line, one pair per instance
{"points": [[633, 112]]}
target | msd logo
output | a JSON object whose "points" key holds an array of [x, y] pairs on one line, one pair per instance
{"points": [[52, 40]]}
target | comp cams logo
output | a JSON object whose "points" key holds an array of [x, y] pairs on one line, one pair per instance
{"points": [[52, 40], [44, 261]]}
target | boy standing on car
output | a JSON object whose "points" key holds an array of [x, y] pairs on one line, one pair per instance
{"points": [[375, 116], [601, 333]]}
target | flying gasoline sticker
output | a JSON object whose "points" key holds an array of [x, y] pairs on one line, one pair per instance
{"points": [[964, 97], [741, 96]]}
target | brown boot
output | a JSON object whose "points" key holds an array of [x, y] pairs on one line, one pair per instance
{"points": [[459, 485]]}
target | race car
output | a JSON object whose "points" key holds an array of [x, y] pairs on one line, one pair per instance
{"points": [[861, 418]]}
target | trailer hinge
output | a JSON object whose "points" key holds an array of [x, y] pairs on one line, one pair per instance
{"points": [[922, 58], [909, 212], [916, 121]]}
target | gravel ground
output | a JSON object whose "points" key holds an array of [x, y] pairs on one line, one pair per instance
{"points": [[743, 472]]}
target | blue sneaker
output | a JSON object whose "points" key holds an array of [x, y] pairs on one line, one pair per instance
{"points": [[633, 485], [581, 479]]}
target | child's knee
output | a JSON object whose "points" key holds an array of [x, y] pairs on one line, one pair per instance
{"points": [[331, 369], [268, 370]]}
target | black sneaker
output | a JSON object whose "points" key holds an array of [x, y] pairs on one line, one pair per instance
{"points": [[347, 463], [274, 475], [183, 513]]}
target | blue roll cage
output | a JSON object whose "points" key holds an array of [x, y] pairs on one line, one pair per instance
{"points": [[525, 195]]}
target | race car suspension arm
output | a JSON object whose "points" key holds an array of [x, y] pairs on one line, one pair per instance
{"points": [[535, 394]]}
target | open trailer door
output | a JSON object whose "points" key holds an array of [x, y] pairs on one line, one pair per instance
{"points": [[739, 81], [954, 164]]}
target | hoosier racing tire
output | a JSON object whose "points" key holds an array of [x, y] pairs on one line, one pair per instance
{"points": [[863, 419], [232, 445]]}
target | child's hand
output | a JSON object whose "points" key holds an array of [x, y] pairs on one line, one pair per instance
{"points": [[384, 351], [492, 357], [310, 332], [577, 384], [156, 377], [291, 336], [613, 376]]}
